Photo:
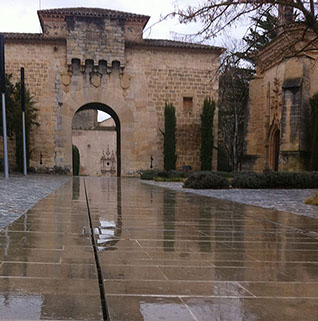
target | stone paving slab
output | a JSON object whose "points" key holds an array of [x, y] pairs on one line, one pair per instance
{"points": [[47, 267], [163, 254], [170, 255], [288, 200], [19, 193]]}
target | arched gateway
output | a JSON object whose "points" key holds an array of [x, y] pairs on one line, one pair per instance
{"points": [[89, 56], [99, 135]]}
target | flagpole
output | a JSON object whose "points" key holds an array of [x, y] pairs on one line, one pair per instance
{"points": [[4, 122], [23, 122]]}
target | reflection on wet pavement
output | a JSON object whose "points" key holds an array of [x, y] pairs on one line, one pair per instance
{"points": [[164, 255]]}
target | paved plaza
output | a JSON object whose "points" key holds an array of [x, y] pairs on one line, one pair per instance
{"points": [[19, 193], [156, 254]]}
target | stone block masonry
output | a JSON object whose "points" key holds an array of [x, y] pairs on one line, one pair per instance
{"points": [[97, 58]]}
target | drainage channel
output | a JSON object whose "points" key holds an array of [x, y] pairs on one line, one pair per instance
{"points": [[98, 268]]}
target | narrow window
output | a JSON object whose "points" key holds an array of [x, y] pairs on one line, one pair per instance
{"points": [[187, 104]]}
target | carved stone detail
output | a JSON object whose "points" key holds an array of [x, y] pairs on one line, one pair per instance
{"points": [[95, 79], [125, 81]]}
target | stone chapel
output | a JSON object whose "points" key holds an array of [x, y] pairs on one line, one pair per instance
{"points": [[278, 126], [89, 58]]}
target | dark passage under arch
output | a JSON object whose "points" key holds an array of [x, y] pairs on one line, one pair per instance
{"points": [[112, 113]]}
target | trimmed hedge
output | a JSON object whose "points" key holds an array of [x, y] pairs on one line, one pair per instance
{"points": [[148, 174], [206, 180], [152, 173], [173, 174], [75, 160], [276, 180], [221, 180]]}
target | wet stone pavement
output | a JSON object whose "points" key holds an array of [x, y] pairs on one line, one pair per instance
{"points": [[19, 193], [156, 254]]}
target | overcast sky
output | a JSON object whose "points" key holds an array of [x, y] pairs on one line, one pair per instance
{"points": [[21, 15]]}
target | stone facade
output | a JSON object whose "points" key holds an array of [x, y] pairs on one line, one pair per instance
{"points": [[96, 143], [279, 119], [97, 59]]}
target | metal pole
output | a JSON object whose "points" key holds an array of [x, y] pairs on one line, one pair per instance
{"points": [[24, 145], [5, 146], [4, 122], [23, 121]]}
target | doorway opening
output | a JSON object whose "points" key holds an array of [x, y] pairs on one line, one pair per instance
{"points": [[274, 150], [96, 135]]}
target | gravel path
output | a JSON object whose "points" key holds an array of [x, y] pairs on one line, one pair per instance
{"points": [[288, 200], [19, 193]]}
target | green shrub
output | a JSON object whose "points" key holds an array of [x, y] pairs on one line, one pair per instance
{"points": [[206, 180], [207, 134], [168, 179], [173, 174], [247, 180], [276, 180], [169, 141], [224, 174], [148, 174], [14, 119], [76, 160]]}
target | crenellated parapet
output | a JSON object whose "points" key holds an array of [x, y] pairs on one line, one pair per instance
{"points": [[93, 35]]}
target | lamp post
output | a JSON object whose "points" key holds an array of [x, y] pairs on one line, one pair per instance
{"points": [[23, 121], [4, 122]]}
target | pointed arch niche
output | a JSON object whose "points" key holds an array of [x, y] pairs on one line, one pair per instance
{"points": [[274, 148]]}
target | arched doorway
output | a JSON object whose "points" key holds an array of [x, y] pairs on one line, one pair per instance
{"points": [[89, 120], [274, 150]]}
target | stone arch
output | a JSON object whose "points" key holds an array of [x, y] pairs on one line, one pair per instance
{"points": [[113, 114], [274, 147], [114, 100]]}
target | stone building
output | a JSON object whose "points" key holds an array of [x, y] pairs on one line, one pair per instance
{"points": [[279, 119], [97, 59], [96, 142]]}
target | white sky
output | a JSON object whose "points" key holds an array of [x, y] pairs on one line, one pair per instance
{"points": [[21, 15]]}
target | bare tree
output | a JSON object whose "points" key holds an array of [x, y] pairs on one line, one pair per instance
{"points": [[217, 15], [233, 97]]}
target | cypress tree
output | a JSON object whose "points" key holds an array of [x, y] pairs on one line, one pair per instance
{"points": [[76, 160], [169, 143], [14, 119], [314, 151], [207, 134]]}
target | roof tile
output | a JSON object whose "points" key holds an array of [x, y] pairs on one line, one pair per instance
{"points": [[173, 44], [92, 12]]}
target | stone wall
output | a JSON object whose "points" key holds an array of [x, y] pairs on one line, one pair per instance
{"points": [[135, 93], [86, 119], [166, 76], [279, 100], [97, 150], [41, 61], [95, 39]]}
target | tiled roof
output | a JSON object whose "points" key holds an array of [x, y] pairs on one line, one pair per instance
{"points": [[29, 36], [92, 12], [173, 44]]}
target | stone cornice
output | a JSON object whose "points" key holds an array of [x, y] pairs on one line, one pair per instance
{"points": [[12, 36], [61, 13], [293, 41], [159, 43]]}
